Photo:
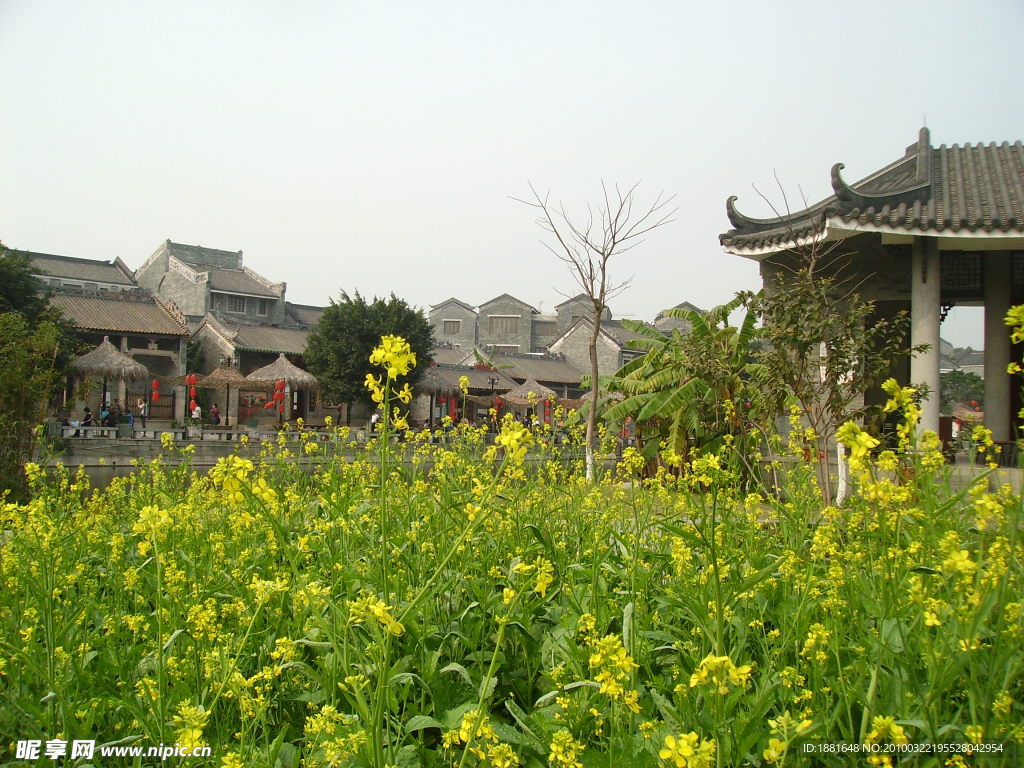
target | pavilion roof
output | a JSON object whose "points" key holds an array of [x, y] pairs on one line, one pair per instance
{"points": [[976, 189]]}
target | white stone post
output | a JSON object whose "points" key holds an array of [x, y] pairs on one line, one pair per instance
{"points": [[998, 276], [925, 296]]}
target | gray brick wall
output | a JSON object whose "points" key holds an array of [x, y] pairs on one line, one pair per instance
{"points": [[191, 298], [576, 307], [576, 348], [275, 309], [545, 331], [506, 306], [466, 339]]}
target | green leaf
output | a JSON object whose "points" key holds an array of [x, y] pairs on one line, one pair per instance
{"points": [[420, 722], [461, 670]]}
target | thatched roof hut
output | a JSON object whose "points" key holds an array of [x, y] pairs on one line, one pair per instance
{"points": [[283, 368], [435, 383], [225, 376], [527, 394], [107, 362]]}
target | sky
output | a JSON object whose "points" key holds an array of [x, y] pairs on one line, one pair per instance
{"points": [[379, 147]]}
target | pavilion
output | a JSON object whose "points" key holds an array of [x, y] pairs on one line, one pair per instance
{"points": [[941, 226]]}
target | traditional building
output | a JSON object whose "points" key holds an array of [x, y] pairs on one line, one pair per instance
{"points": [[88, 276], [146, 329], [200, 280], [613, 350], [455, 324], [940, 226], [668, 324]]}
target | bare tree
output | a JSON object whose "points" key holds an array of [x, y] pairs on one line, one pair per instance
{"points": [[611, 228]]}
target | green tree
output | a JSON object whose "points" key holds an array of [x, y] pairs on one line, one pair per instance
{"points": [[824, 348], [19, 288], [29, 376], [338, 348], [961, 388]]}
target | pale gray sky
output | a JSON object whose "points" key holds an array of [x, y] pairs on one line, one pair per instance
{"points": [[375, 146]]}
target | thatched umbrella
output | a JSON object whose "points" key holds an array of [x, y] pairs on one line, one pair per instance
{"points": [[282, 368], [226, 376], [108, 362], [521, 395], [434, 384]]}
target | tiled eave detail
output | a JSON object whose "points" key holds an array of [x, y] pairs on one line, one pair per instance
{"points": [[841, 227]]}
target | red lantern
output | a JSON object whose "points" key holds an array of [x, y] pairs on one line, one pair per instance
{"points": [[192, 405], [547, 411], [156, 396], [156, 385], [192, 392], [281, 407], [269, 405], [280, 385], [443, 400]]}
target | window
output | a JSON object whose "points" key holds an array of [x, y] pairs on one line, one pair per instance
{"points": [[261, 308], [506, 349], [544, 328], [575, 319], [452, 327], [236, 304], [503, 325]]}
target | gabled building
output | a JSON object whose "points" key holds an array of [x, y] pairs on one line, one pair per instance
{"points": [[88, 276], [571, 311], [144, 328], [506, 324], [667, 324], [455, 324], [200, 280], [613, 349], [939, 226]]}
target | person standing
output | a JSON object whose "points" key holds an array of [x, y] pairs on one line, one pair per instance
{"points": [[143, 412], [197, 413], [215, 415]]}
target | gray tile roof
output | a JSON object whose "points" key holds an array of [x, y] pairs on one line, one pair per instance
{"points": [[239, 281], [977, 188], [542, 369], [622, 335], [450, 356], [93, 313], [304, 314], [86, 270], [477, 379], [262, 338], [196, 255], [453, 300], [511, 298]]}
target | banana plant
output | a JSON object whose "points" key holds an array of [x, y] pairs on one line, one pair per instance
{"points": [[691, 390]]}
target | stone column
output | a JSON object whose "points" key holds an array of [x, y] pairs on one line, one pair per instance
{"points": [[181, 392], [925, 295], [998, 276]]}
